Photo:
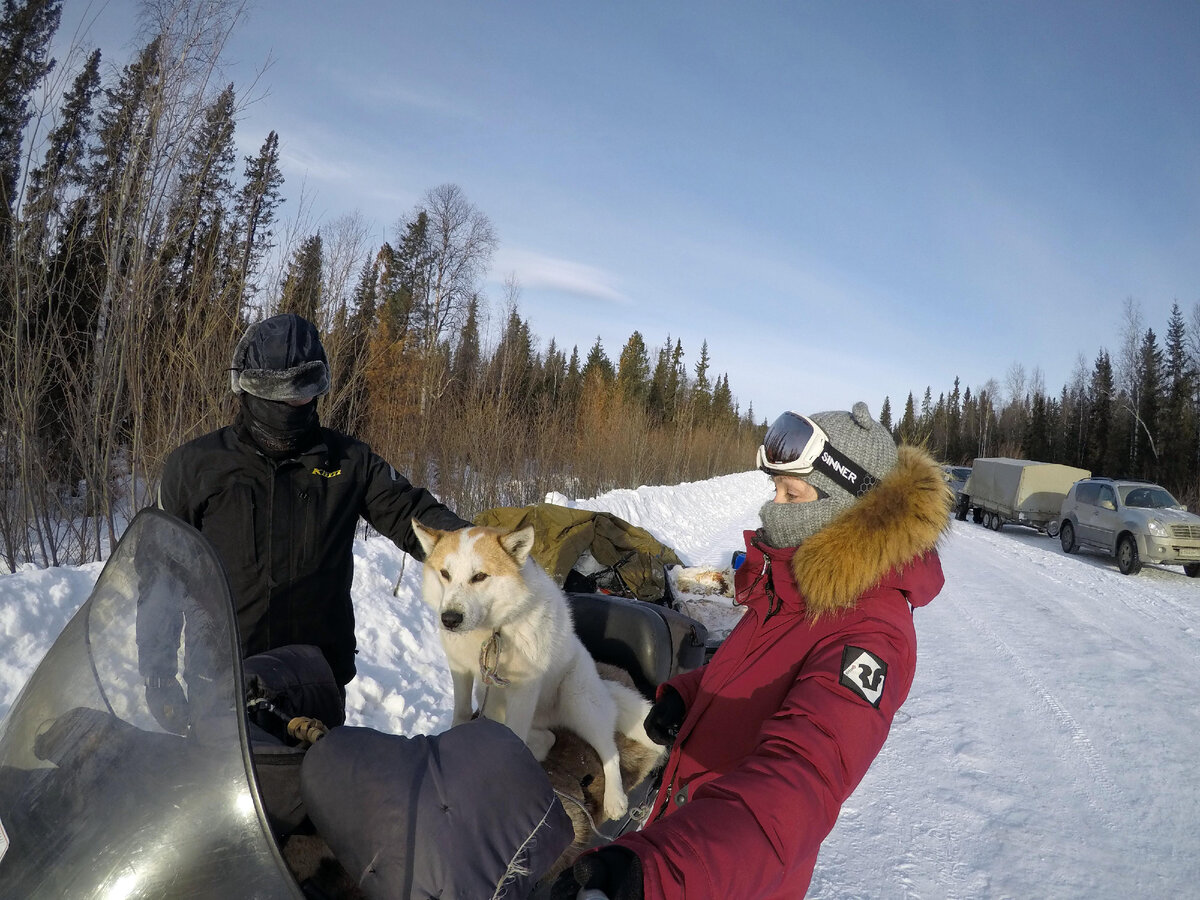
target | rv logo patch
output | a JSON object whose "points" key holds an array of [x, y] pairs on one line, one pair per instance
{"points": [[864, 673]]}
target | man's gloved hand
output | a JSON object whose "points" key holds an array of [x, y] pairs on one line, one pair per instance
{"points": [[614, 870], [168, 704], [665, 716]]}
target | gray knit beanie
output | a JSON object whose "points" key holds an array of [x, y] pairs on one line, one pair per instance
{"points": [[857, 436]]}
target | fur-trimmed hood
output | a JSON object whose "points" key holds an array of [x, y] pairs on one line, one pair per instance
{"points": [[900, 520]]}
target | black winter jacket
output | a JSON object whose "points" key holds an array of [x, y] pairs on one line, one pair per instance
{"points": [[285, 530]]}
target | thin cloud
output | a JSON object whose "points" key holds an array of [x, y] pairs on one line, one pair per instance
{"points": [[538, 272], [381, 94]]}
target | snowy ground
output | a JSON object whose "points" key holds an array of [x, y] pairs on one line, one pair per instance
{"points": [[1046, 749]]}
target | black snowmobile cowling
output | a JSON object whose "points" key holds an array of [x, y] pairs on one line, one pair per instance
{"points": [[105, 794]]}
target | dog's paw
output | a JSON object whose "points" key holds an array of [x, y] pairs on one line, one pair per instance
{"points": [[540, 743], [616, 804]]}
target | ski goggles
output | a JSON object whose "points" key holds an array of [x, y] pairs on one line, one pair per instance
{"points": [[796, 445]]}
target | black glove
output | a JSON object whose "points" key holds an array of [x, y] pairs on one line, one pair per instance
{"points": [[168, 704], [614, 870], [665, 716]]}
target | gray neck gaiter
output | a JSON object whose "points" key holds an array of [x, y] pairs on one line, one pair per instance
{"points": [[790, 524]]}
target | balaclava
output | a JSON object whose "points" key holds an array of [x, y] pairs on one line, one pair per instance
{"points": [[859, 437], [280, 359]]}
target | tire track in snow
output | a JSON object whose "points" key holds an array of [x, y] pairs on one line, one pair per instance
{"points": [[1170, 599], [1081, 745]]}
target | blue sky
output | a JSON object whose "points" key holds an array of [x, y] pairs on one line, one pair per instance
{"points": [[846, 200]]}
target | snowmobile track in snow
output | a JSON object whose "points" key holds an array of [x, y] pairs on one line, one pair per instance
{"points": [[1100, 783]]}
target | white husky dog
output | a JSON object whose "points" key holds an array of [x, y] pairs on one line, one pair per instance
{"points": [[508, 633]]}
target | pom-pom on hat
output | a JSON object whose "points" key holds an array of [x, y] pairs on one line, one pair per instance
{"points": [[859, 437], [280, 358]]}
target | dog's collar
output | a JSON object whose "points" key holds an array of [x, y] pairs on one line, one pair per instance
{"points": [[489, 661]]}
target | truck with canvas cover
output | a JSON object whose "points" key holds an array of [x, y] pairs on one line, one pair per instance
{"points": [[1003, 491]]}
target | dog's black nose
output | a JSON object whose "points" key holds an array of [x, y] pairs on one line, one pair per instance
{"points": [[451, 619]]}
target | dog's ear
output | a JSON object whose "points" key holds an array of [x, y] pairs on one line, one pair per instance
{"points": [[518, 544], [428, 537]]}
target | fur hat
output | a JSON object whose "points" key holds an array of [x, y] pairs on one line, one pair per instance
{"points": [[857, 436], [280, 358]]}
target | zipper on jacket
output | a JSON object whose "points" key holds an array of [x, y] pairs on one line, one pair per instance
{"points": [[270, 569], [665, 805], [774, 604]]}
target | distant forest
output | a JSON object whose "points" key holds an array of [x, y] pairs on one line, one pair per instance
{"points": [[135, 247], [1131, 413]]}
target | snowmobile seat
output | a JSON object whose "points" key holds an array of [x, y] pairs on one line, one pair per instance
{"points": [[652, 643]]}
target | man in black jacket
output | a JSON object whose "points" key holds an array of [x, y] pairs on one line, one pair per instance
{"points": [[280, 497]]}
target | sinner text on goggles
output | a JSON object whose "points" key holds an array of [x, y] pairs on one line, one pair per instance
{"points": [[796, 445]]}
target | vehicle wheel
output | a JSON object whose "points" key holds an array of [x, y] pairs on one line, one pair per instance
{"points": [[987, 520], [997, 521], [1191, 570], [977, 515], [1127, 556], [1066, 534]]}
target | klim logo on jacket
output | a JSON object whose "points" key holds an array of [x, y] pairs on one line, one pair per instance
{"points": [[326, 473], [864, 673]]}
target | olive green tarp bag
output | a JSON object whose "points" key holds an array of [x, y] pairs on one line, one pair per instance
{"points": [[635, 558]]}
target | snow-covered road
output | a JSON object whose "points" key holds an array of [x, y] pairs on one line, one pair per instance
{"points": [[1046, 749]]}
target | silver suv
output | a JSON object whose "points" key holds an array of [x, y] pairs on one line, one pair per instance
{"points": [[1135, 521]]}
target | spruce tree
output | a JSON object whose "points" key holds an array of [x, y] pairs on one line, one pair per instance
{"points": [[513, 362], [1100, 457], [60, 176], [633, 370], [1036, 441], [255, 212], [701, 387], [465, 363], [908, 422], [954, 451], [26, 30], [1178, 429], [120, 156], [573, 383], [598, 363], [553, 374], [404, 274], [722, 401], [676, 381], [658, 401], [1150, 393], [204, 190], [302, 284]]}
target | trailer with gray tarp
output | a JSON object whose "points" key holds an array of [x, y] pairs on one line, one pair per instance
{"points": [[1003, 491]]}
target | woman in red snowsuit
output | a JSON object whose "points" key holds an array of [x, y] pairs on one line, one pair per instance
{"points": [[774, 734]]}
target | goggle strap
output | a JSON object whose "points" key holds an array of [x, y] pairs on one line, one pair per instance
{"points": [[845, 471]]}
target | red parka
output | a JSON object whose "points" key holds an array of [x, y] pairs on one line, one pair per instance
{"points": [[785, 719]]}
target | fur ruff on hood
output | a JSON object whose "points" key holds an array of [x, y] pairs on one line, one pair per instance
{"points": [[902, 518]]}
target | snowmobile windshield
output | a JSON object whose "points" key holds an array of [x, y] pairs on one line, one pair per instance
{"points": [[124, 771]]}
